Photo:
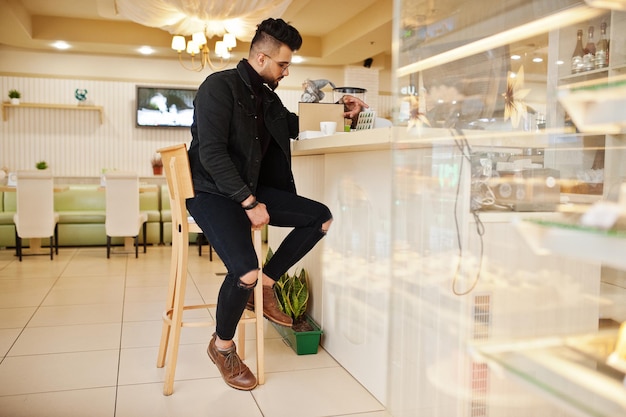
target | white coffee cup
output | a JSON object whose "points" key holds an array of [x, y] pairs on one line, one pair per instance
{"points": [[328, 128]]}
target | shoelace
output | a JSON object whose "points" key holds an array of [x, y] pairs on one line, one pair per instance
{"points": [[233, 362]]}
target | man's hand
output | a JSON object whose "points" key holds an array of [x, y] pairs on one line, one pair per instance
{"points": [[353, 106], [258, 216]]}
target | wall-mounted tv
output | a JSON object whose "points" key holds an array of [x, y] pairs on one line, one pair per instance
{"points": [[164, 107]]}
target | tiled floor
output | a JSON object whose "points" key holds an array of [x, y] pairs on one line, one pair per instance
{"points": [[79, 337]]}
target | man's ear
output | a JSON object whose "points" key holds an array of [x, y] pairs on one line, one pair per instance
{"points": [[259, 59]]}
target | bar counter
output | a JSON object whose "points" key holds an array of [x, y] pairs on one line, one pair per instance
{"points": [[375, 180]]}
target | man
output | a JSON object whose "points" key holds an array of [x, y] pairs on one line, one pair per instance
{"points": [[241, 167]]}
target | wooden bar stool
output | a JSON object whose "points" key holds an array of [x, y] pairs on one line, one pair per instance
{"points": [[178, 175]]}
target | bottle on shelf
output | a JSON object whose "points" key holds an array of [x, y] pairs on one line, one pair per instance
{"points": [[590, 51], [602, 49], [577, 56]]}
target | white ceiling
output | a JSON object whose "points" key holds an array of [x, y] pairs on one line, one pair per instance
{"points": [[334, 32]]}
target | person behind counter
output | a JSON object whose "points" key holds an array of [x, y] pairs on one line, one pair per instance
{"points": [[241, 169]]}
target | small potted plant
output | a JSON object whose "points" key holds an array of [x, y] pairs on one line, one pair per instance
{"points": [[41, 165], [292, 293], [157, 164], [14, 96]]}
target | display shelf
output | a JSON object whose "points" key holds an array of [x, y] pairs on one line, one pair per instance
{"points": [[6, 106], [586, 75], [584, 243], [596, 105], [571, 371]]}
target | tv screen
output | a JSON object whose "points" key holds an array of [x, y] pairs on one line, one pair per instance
{"points": [[164, 107]]}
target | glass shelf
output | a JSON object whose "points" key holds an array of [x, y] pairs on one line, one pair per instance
{"points": [[586, 243], [571, 371], [596, 106]]}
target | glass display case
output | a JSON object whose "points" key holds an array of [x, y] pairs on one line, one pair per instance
{"points": [[508, 204]]}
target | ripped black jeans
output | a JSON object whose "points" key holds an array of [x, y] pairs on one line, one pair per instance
{"points": [[227, 227]]}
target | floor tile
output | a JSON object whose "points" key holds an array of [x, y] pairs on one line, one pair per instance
{"points": [[284, 392], [153, 293], [7, 339], [96, 402], [149, 280], [281, 358], [24, 292], [73, 338], [138, 366], [148, 334], [34, 267], [86, 268], [59, 296], [203, 397], [15, 317], [58, 372], [91, 282], [77, 314]]}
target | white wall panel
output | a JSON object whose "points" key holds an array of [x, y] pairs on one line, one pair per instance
{"points": [[74, 143]]}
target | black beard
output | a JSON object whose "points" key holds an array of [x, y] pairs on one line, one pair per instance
{"points": [[271, 83]]}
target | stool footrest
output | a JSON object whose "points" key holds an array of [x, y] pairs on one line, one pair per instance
{"points": [[167, 316]]}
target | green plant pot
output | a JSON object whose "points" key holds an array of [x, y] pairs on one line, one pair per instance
{"points": [[303, 343]]}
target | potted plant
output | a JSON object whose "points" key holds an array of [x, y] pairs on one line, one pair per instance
{"points": [[157, 164], [14, 96], [292, 293], [41, 165]]}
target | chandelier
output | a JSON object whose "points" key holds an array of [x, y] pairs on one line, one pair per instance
{"points": [[198, 49], [204, 19]]}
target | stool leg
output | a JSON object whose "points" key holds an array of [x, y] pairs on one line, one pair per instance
{"points": [[258, 310], [241, 340], [177, 317], [171, 293]]}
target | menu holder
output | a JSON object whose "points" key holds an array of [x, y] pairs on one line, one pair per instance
{"points": [[366, 120]]}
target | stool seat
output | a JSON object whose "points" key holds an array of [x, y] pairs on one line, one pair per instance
{"points": [[178, 175]]}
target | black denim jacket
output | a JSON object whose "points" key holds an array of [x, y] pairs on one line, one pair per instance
{"points": [[225, 151]]}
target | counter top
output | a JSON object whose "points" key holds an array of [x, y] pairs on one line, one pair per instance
{"points": [[362, 140], [402, 137]]}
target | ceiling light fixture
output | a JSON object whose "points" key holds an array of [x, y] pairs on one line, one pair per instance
{"points": [[145, 50], [61, 45], [198, 45], [537, 59]]}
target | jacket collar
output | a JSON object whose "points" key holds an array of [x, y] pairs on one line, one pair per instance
{"points": [[263, 89]]}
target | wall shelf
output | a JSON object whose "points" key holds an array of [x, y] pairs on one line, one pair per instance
{"points": [[7, 105]]}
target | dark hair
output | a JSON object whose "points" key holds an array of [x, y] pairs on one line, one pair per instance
{"points": [[272, 30]]}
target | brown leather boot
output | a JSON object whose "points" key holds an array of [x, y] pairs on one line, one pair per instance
{"points": [[271, 311], [233, 370]]}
